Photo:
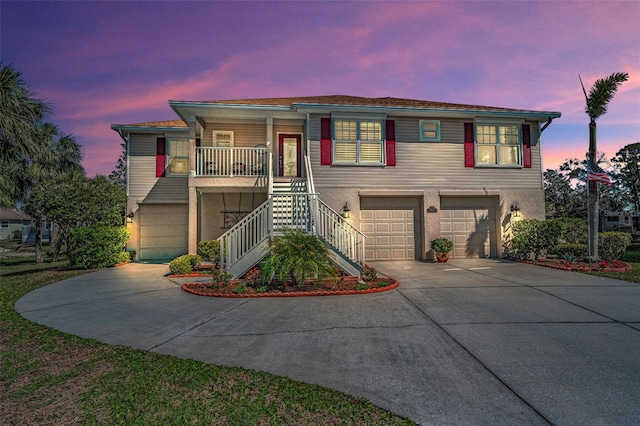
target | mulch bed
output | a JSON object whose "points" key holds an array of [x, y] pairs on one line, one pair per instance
{"points": [[342, 286], [615, 266]]}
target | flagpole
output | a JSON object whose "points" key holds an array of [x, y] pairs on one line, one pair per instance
{"points": [[588, 210]]}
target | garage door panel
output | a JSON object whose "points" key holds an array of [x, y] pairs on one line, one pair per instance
{"points": [[399, 227], [382, 214]]}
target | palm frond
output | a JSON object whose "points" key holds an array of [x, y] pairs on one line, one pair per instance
{"points": [[602, 92]]}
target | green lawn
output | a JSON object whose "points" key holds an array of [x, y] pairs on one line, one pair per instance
{"points": [[632, 256], [47, 377]]}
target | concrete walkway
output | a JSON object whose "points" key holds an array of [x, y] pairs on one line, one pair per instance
{"points": [[467, 342]]}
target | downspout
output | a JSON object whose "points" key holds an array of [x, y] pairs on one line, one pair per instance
{"points": [[546, 125], [549, 120]]}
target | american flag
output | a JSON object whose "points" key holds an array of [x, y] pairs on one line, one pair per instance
{"points": [[595, 173]]}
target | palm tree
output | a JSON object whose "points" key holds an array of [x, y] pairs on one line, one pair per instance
{"points": [[597, 100], [20, 113]]}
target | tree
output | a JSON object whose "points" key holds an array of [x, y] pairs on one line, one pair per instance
{"points": [[20, 113], [72, 202], [627, 175], [564, 198], [597, 100], [57, 155], [119, 174]]}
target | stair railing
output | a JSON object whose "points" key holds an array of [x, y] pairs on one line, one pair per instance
{"points": [[245, 235], [343, 236]]}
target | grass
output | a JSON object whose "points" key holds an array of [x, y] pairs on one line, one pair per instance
{"points": [[632, 256], [48, 377]]}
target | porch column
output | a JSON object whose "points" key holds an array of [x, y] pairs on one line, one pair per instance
{"points": [[269, 138], [192, 146], [193, 220]]}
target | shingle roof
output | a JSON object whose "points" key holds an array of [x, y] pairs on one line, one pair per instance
{"points": [[357, 101], [166, 123], [12, 214]]}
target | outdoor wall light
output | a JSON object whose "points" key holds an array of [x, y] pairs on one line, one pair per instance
{"points": [[130, 217], [346, 212], [515, 208]]}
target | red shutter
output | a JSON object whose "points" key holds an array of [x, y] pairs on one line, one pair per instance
{"points": [[469, 154], [526, 146], [325, 141], [161, 161], [391, 143]]}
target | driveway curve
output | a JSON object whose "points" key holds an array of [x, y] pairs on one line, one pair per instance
{"points": [[467, 342]]}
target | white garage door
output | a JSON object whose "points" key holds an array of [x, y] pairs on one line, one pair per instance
{"points": [[164, 231], [470, 224], [390, 234], [392, 226]]}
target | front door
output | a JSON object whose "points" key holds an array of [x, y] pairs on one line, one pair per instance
{"points": [[290, 155]]}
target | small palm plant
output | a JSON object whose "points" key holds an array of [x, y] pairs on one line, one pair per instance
{"points": [[297, 256]]}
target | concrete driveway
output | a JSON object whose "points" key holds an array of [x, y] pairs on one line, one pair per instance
{"points": [[467, 342]]}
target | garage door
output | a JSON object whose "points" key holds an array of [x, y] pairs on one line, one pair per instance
{"points": [[470, 224], [164, 231], [391, 232]]}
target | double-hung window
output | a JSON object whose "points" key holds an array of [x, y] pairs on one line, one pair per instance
{"points": [[357, 142], [498, 145], [178, 157]]}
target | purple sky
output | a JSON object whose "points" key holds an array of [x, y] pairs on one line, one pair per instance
{"points": [[100, 63]]}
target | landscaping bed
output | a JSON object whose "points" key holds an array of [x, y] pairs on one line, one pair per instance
{"points": [[614, 266], [328, 287]]}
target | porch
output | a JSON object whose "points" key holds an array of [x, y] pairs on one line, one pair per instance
{"points": [[231, 162]]}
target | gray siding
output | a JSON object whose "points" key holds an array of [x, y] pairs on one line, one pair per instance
{"points": [[244, 134], [426, 164], [144, 186]]}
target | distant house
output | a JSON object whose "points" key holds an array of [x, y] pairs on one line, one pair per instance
{"points": [[376, 178], [621, 221], [12, 222]]}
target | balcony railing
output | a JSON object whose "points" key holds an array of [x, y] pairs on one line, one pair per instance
{"points": [[229, 162]]}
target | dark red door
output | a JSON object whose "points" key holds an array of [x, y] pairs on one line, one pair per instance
{"points": [[290, 155]]}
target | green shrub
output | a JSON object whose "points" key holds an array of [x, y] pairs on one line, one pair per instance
{"points": [[210, 251], [124, 257], [17, 234], [579, 250], [533, 236], [242, 288], [220, 277], [297, 255], [369, 273], [613, 245], [132, 255], [572, 230], [184, 264], [442, 245], [97, 246]]}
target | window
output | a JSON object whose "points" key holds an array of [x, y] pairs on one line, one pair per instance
{"points": [[178, 157], [357, 142], [430, 130], [498, 145], [4, 224], [222, 139]]}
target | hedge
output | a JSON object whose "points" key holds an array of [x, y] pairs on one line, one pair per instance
{"points": [[97, 246]]}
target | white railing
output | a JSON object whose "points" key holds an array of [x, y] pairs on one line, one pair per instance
{"points": [[252, 230], [339, 233], [229, 162], [293, 210]]}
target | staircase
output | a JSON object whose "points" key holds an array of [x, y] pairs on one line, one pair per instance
{"points": [[292, 203]]}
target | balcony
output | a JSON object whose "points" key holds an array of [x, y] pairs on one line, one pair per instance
{"points": [[231, 162]]}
